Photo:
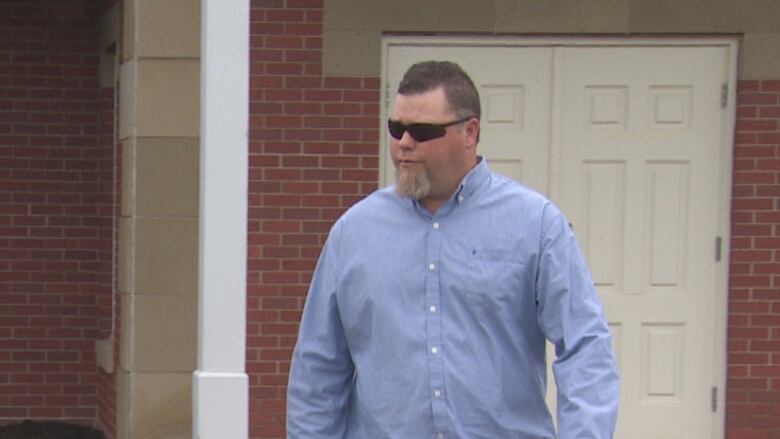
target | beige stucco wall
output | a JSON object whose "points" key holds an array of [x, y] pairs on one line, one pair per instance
{"points": [[354, 28]]}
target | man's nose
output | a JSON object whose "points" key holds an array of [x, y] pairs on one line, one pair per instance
{"points": [[406, 141]]}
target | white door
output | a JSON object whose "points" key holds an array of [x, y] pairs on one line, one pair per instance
{"points": [[632, 144], [640, 169]]}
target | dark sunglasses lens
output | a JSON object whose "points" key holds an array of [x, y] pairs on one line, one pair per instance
{"points": [[422, 132], [396, 129], [419, 131]]}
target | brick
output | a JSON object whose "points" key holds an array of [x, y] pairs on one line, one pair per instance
{"points": [[360, 175], [748, 86], [748, 307], [342, 135], [765, 346], [266, 4], [303, 56], [361, 96], [282, 174], [757, 125], [284, 15], [300, 214], [341, 108], [303, 81], [284, 68], [321, 174], [753, 203], [746, 433], [768, 112], [343, 83], [757, 99], [323, 95], [749, 358], [303, 29], [313, 42], [277, 42], [302, 135], [770, 86], [303, 108], [767, 190], [280, 227], [766, 243], [306, 4], [768, 139], [313, 15]]}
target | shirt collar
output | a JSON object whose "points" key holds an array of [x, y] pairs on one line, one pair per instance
{"points": [[473, 180]]}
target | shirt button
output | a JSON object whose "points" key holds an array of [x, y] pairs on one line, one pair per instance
{"points": [[437, 393], [431, 266], [434, 350], [435, 225], [460, 198], [433, 309], [440, 436]]}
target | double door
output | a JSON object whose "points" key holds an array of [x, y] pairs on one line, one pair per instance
{"points": [[631, 141]]}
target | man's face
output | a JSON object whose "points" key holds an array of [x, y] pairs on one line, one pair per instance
{"points": [[430, 170]]}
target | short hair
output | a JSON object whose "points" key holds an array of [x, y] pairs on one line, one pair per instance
{"points": [[462, 95]]}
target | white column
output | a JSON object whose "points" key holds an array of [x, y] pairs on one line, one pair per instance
{"points": [[221, 385]]}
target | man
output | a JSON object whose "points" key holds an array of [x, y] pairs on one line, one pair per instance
{"points": [[430, 305]]}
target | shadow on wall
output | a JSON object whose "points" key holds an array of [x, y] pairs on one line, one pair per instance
{"points": [[48, 430]]}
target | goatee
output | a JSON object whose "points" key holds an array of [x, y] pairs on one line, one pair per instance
{"points": [[415, 185]]}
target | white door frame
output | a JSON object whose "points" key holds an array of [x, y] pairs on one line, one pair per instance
{"points": [[725, 149]]}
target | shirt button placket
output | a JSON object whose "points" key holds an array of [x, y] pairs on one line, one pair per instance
{"points": [[433, 296]]}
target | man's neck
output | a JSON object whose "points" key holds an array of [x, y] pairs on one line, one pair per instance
{"points": [[433, 204]]}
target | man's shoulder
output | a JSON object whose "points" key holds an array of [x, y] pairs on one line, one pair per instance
{"points": [[509, 190], [377, 203], [379, 199]]}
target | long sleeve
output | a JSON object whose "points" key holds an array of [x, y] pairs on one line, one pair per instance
{"points": [[572, 318], [322, 369]]}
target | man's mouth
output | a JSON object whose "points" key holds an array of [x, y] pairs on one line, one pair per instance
{"points": [[406, 162]]}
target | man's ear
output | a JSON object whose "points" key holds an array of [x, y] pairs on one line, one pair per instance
{"points": [[472, 132]]}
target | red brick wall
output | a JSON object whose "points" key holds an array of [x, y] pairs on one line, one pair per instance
{"points": [[753, 394], [54, 226], [313, 152]]}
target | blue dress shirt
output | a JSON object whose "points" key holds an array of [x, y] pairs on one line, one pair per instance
{"points": [[434, 326]]}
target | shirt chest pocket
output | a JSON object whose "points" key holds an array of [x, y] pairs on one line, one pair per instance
{"points": [[494, 277]]}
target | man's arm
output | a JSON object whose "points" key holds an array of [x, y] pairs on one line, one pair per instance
{"points": [[572, 318], [321, 373]]}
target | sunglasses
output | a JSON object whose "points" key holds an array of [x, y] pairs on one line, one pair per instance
{"points": [[421, 132]]}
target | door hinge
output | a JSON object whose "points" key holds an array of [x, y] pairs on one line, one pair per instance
{"points": [[724, 95], [718, 248], [714, 401]]}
